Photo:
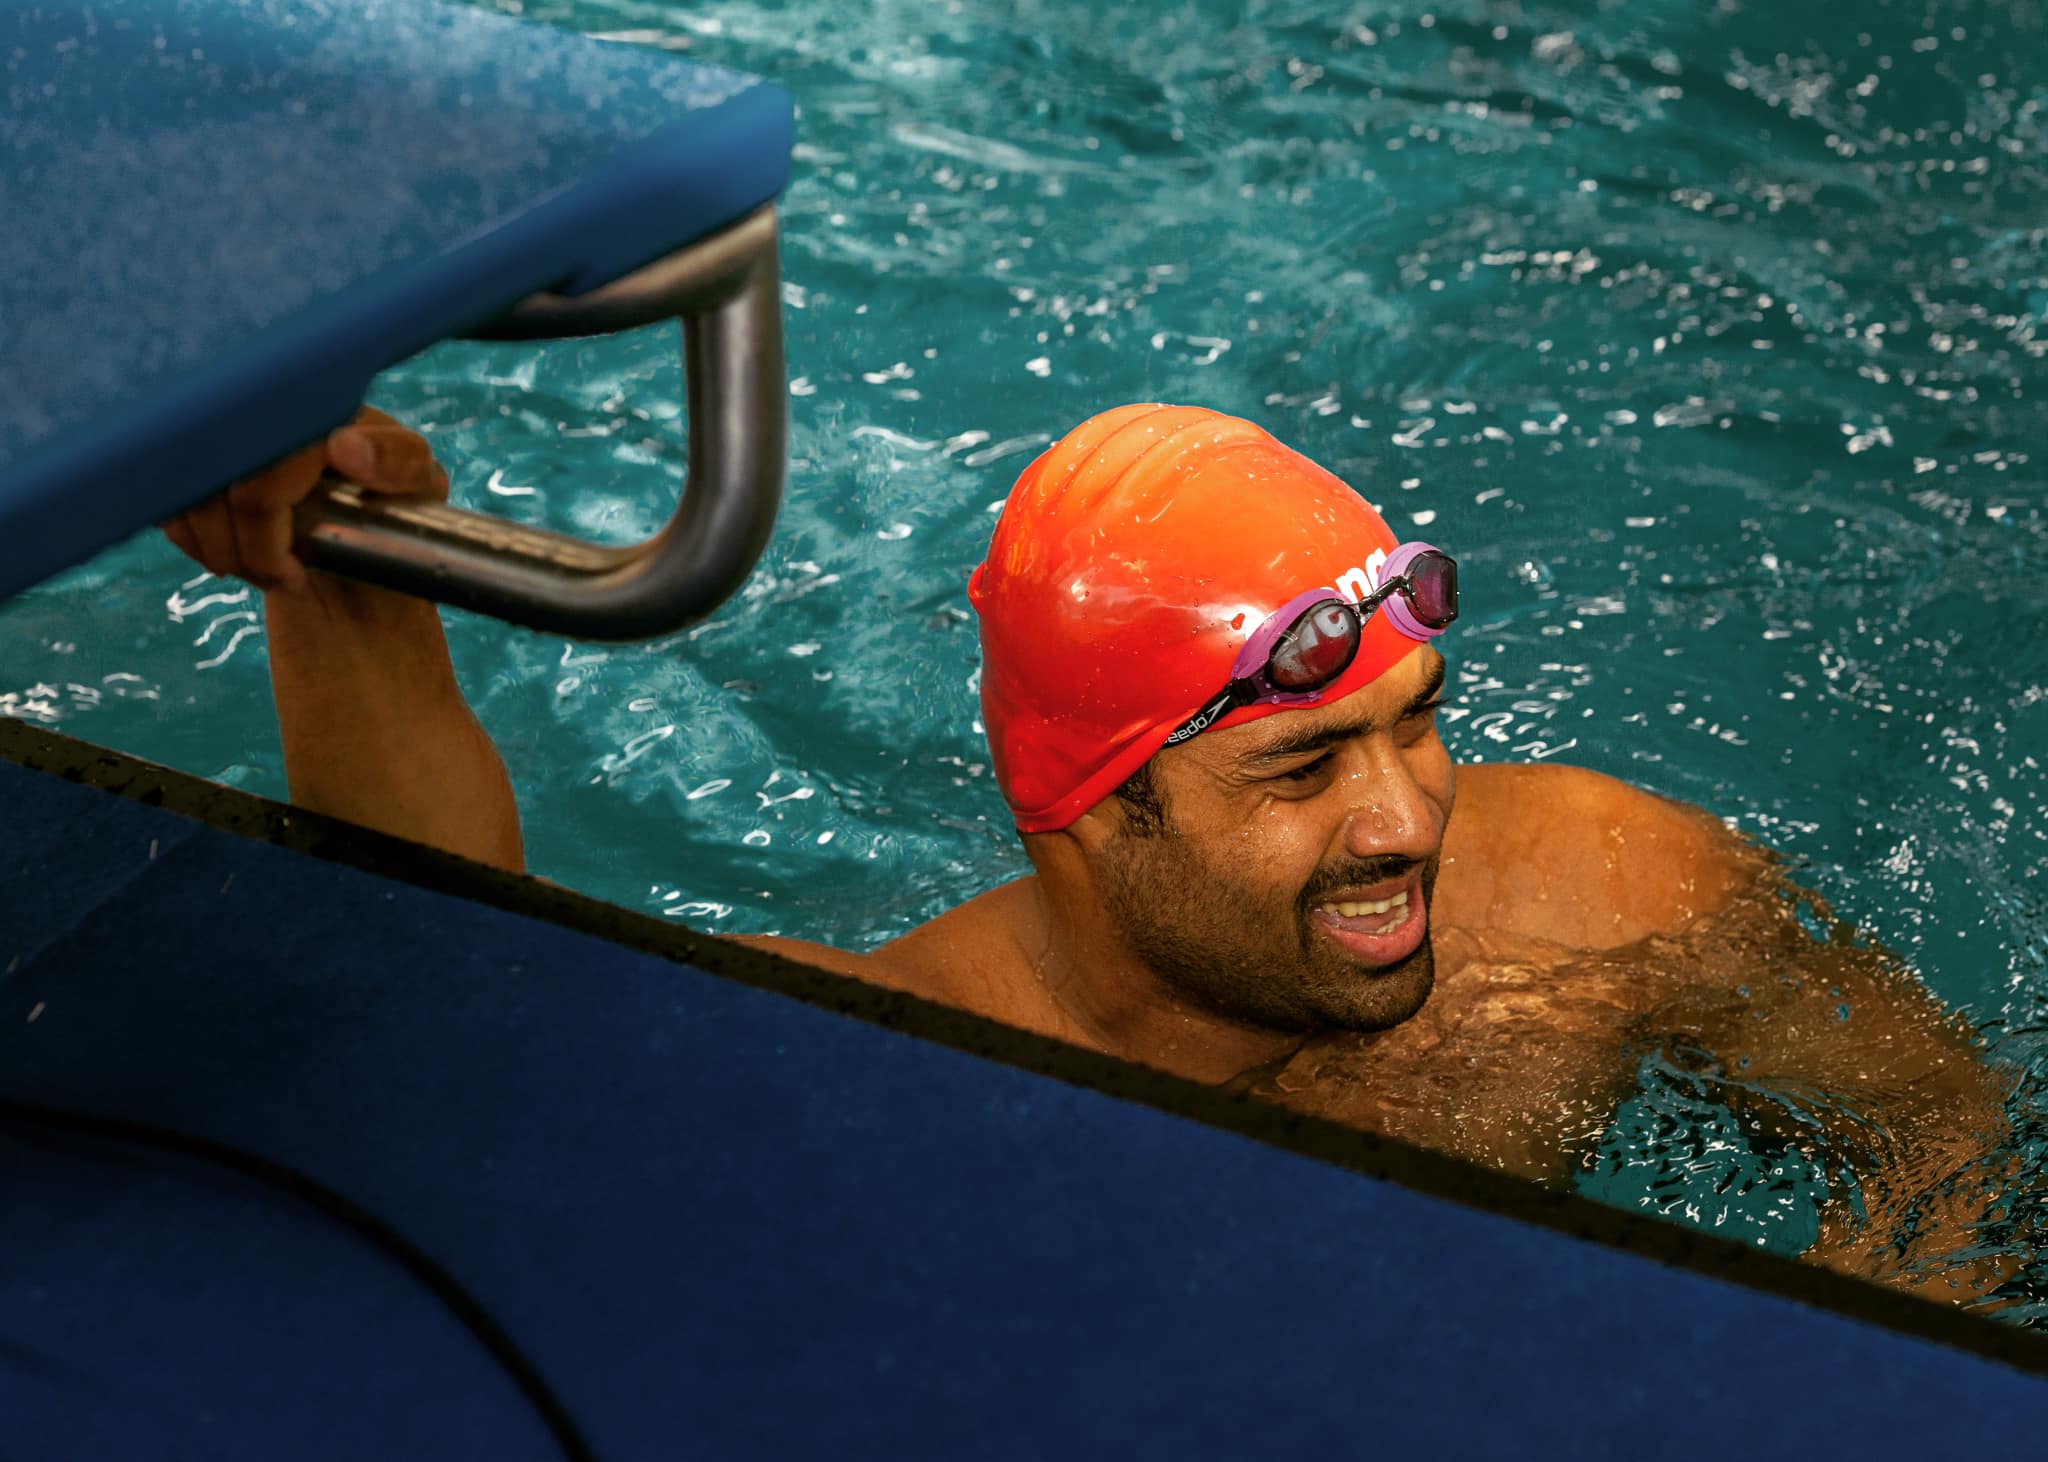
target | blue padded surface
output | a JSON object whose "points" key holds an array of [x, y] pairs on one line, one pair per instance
{"points": [[727, 1224], [132, 1243], [223, 217]]}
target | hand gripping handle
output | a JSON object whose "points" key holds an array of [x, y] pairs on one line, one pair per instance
{"points": [[727, 293]]}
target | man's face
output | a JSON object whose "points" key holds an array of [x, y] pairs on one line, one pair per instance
{"points": [[1290, 886]]}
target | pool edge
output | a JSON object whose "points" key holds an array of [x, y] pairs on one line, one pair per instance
{"points": [[243, 814]]}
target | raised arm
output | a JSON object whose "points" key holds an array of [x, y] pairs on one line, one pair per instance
{"points": [[375, 728]]}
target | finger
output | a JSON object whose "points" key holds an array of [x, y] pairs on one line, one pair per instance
{"points": [[181, 535], [213, 532], [209, 524], [262, 525], [387, 457]]}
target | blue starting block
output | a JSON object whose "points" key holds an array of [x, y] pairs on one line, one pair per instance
{"points": [[222, 220]]}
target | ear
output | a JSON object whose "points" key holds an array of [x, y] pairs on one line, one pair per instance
{"points": [[1070, 853], [1095, 827]]}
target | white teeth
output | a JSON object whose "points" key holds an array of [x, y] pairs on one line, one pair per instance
{"points": [[1379, 906]]}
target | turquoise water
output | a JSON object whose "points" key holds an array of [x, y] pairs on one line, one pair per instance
{"points": [[1710, 338]]}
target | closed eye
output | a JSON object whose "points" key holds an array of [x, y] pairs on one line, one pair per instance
{"points": [[1306, 771]]}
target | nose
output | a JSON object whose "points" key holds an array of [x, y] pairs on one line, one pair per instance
{"points": [[1389, 812]]}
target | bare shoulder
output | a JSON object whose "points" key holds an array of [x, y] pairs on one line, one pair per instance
{"points": [[819, 956], [967, 957], [1582, 859], [976, 956]]}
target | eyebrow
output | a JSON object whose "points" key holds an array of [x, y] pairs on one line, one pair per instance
{"points": [[1300, 743]]}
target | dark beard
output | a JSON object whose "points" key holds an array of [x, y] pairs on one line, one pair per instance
{"points": [[1218, 945]]}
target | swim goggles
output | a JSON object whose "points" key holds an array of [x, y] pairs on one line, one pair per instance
{"points": [[1303, 646]]}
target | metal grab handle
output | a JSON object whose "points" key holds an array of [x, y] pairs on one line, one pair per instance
{"points": [[728, 293]]}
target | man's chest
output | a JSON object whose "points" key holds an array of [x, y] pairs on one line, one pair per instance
{"points": [[1516, 1060]]}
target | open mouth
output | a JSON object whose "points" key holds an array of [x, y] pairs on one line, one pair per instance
{"points": [[1380, 925]]}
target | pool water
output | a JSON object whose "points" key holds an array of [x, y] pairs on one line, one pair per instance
{"points": [[1710, 338]]}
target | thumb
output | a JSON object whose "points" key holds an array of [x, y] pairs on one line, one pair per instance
{"points": [[353, 453], [387, 458]]}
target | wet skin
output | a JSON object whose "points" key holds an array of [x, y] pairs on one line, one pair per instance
{"points": [[1210, 945], [1210, 949], [1215, 947], [1558, 927], [1313, 926]]}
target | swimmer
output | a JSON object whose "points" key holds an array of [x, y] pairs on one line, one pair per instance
{"points": [[1211, 684]]}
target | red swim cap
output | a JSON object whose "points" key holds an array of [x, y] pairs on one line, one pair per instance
{"points": [[1131, 562]]}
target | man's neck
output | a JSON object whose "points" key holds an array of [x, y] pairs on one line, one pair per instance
{"points": [[1099, 994]]}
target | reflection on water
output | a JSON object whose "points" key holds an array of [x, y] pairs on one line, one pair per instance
{"points": [[1710, 338]]}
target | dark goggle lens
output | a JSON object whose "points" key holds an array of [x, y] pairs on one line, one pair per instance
{"points": [[1433, 589], [1315, 649]]}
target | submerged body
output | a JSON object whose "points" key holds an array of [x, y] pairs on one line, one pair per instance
{"points": [[1305, 901]]}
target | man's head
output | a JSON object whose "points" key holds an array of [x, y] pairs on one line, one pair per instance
{"points": [[1273, 868]]}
